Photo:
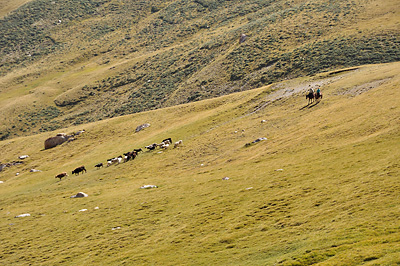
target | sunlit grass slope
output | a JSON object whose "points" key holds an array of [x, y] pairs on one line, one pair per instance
{"points": [[323, 189], [8, 6], [65, 63]]}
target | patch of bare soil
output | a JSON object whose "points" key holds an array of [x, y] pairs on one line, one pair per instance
{"points": [[357, 90]]}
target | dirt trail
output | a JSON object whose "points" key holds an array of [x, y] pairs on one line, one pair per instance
{"points": [[288, 90], [357, 90]]}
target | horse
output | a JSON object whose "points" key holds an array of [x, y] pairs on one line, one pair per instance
{"points": [[310, 96], [318, 96]]}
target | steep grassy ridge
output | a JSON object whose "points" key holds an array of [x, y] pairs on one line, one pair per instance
{"points": [[93, 59], [321, 190]]}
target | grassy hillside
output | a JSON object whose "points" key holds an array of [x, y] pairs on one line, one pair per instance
{"points": [[321, 190], [67, 63], [6, 6]]}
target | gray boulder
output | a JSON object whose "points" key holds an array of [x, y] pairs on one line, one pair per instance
{"points": [[141, 127]]}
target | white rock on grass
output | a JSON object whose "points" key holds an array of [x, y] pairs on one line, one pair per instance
{"points": [[148, 186], [259, 139], [23, 215], [141, 127], [83, 210]]}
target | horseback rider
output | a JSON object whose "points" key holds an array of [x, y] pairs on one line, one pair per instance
{"points": [[318, 94], [310, 95], [310, 90]]}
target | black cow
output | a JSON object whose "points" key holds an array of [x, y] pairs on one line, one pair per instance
{"points": [[79, 169]]}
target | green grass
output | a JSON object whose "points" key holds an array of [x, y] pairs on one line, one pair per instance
{"points": [[321, 190]]}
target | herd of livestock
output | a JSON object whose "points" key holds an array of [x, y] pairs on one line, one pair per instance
{"points": [[131, 155]]}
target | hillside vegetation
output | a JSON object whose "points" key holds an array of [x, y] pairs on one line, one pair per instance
{"points": [[322, 189], [67, 63]]}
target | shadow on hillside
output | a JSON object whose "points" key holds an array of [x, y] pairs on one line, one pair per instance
{"points": [[310, 105]]}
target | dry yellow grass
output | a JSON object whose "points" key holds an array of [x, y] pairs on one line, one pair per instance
{"points": [[7, 6], [322, 189], [64, 73]]}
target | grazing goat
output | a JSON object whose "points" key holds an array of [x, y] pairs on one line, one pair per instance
{"points": [[79, 169], [114, 160], [137, 150], [151, 147], [179, 142], [99, 165], [61, 175], [164, 145], [160, 145], [130, 155]]}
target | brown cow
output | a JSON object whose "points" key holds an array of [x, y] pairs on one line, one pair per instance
{"points": [[61, 175]]}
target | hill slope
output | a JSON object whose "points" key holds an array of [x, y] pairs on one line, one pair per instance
{"points": [[67, 63], [321, 190]]}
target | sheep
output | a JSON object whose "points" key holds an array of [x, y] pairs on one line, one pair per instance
{"points": [[114, 160], [178, 143], [130, 155], [164, 145], [167, 141], [161, 144], [61, 175], [151, 147]]}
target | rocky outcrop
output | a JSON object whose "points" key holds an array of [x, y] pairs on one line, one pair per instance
{"points": [[57, 140], [141, 127]]}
